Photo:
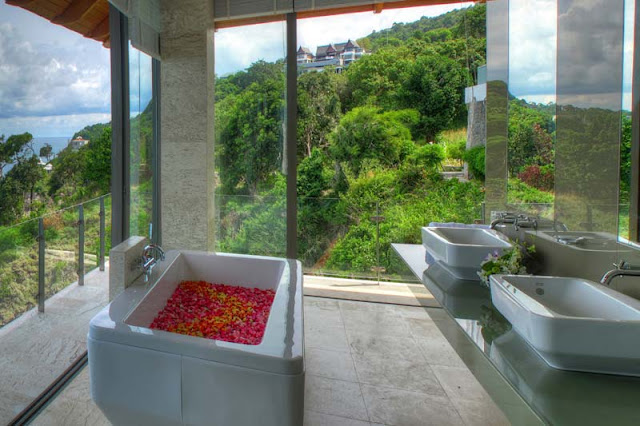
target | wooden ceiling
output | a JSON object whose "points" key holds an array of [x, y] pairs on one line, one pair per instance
{"points": [[87, 17]]}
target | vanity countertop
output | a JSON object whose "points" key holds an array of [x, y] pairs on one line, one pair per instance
{"points": [[556, 397]]}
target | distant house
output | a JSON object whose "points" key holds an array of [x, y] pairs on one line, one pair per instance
{"points": [[46, 166], [338, 55], [304, 55], [77, 143]]}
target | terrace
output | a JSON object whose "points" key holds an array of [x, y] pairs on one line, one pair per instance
{"points": [[236, 162]]}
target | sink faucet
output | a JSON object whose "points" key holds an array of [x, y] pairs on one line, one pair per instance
{"points": [[621, 269], [504, 217], [525, 222], [151, 255]]}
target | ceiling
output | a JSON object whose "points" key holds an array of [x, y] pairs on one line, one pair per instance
{"points": [[87, 17]]}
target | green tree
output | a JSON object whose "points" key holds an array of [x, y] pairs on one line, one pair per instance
{"points": [[66, 176], [11, 207], [434, 85], [97, 167], [46, 151], [375, 79], [27, 172], [318, 109], [93, 131], [365, 133], [252, 139], [13, 148]]}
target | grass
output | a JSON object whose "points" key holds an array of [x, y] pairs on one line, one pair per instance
{"points": [[452, 141]]}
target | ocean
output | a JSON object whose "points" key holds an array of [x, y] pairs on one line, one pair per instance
{"points": [[57, 143]]}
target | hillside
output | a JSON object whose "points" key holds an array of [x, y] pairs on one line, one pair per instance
{"points": [[461, 23]]}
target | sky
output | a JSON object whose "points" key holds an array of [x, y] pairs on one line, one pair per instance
{"points": [[532, 51], [234, 53], [53, 81]]}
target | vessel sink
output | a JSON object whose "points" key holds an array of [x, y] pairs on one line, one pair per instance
{"points": [[463, 248], [572, 323]]}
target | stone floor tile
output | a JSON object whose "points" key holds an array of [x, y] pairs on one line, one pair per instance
{"points": [[331, 364], [312, 418], [415, 312], [385, 346], [412, 375], [330, 338], [321, 303], [422, 329], [404, 408], [12, 403], [459, 383], [335, 397], [480, 413], [380, 323], [348, 305], [316, 317], [437, 351], [70, 412]]}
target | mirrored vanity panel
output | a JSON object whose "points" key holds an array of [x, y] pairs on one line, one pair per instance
{"points": [[589, 101], [497, 105]]}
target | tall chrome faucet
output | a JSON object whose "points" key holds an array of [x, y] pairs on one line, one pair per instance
{"points": [[151, 255], [621, 269], [504, 217]]}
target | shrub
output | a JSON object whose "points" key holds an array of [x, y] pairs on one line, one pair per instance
{"points": [[475, 159], [538, 177], [519, 192], [455, 150]]}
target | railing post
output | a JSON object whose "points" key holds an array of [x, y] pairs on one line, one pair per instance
{"points": [[377, 219], [40, 239], [80, 244], [102, 233]]}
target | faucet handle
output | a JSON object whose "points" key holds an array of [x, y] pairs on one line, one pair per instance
{"points": [[622, 264]]}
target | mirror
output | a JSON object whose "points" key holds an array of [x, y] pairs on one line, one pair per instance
{"points": [[532, 106]]}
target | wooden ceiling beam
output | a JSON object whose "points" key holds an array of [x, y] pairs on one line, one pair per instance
{"points": [[19, 3], [101, 30], [75, 11]]}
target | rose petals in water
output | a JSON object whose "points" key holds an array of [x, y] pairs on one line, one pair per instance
{"points": [[216, 311]]}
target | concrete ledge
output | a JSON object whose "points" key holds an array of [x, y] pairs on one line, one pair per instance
{"points": [[124, 260]]}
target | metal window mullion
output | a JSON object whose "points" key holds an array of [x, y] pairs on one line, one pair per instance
{"points": [[120, 126], [155, 157], [634, 190], [291, 132]]}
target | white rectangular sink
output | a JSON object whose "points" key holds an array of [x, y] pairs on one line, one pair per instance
{"points": [[573, 324], [463, 248]]}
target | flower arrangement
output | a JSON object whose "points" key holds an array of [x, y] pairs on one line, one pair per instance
{"points": [[517, 260], [216, 311]]}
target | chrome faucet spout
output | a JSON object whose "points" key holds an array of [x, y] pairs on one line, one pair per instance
{"points": [[622, 269], [151, 255]]}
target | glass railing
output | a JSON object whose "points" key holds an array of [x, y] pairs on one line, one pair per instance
{"points": [[334, 238], [42, 256], [48, 294], [251, 224]]}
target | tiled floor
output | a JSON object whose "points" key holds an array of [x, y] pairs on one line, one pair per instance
{"points": [[37, 347], [367, 364]]}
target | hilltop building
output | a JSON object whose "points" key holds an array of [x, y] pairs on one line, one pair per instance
{"points": [[338, 55], [78, 143]]}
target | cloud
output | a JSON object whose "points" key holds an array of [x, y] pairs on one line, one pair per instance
{"points": [[237, 48], [51, 126], [46, 71], [532, 49]]}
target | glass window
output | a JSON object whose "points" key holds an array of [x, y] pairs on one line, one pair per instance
{"points": [[141, 141], [250, 137]]}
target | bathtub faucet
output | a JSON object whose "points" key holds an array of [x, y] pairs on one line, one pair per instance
{"points": [[151, 255]]}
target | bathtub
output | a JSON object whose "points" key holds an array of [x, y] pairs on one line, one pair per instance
{"points": [[141, 376]]}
